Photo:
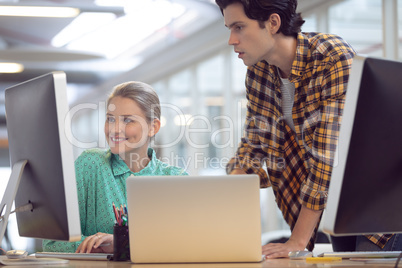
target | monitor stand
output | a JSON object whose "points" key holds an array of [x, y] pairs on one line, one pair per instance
{"points": [[9, 195], [6, 204]]}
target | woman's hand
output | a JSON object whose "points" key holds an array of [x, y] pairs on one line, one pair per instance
{"points": [[97, 243]]}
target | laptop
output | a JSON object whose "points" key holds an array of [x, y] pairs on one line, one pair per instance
{"points": [[194, 219]]}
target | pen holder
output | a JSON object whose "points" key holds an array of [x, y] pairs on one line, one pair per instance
{"points": [[121, 245]]}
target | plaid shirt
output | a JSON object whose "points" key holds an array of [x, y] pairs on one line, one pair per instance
{"points": [[299, 164]]}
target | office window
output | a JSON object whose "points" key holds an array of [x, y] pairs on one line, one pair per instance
{"points": [[400, 28], [310, 24], [359, 22], [176, 105], [160, 88], [205, 131], [200, 109], [180, 83], [88, 128], [237, 91], [238, 74], [210, 75]]}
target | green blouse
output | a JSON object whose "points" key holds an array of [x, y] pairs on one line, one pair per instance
{"points": [[101, 180]]}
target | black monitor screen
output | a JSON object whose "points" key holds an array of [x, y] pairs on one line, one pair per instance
{"points": [[365, 194]]}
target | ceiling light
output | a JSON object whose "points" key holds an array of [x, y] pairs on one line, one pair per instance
{"points": [[10, 67], [85, 23], [39, 11], [126, 31]]}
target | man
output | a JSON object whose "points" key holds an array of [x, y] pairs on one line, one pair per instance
{"points": [[296, 85]]}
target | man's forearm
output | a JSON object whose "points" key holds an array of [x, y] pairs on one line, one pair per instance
{"points": [[305, 225]]}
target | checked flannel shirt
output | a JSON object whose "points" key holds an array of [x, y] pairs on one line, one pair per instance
{"points": [[299, 163]]}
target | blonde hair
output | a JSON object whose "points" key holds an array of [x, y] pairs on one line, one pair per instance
{"points": [[143, 94]]}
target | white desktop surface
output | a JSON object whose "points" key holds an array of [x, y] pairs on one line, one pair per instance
{"points": [[284, 262]]}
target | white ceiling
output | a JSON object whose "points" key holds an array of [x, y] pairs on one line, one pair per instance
{"points": [[28, 40], [123, 26]]}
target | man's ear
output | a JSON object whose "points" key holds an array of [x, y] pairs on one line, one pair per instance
{"points": [[154, 127], [273, 23]]}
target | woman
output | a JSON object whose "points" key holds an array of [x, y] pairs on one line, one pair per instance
{"points": [[132, 119]]}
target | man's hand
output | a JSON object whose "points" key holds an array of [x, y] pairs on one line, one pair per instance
{"points": [[300, 237], [280, 250]]}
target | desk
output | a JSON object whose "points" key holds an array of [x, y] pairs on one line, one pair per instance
{"points": [[266, 264]]}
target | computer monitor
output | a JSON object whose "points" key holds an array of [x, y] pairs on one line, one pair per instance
{"points": [[42, 180], [365, 192]]}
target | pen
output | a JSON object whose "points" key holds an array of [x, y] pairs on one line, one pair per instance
{"points": [[115, 213], [120, 215], [322, 259]]}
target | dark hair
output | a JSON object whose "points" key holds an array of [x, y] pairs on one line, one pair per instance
{"points": [[143, 94], [261, 10]]}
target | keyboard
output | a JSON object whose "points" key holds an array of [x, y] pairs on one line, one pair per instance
{"points": [[75, 256], [362, 254]]}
